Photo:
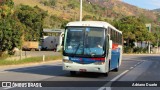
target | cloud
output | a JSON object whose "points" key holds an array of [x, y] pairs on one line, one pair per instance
{"points": [[156, 3]]}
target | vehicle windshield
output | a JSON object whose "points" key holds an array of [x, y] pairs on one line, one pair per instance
{"points": [[84, 41]]}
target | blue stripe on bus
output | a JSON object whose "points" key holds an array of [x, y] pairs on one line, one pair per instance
{"points": [[86, 60], [115, 56]]}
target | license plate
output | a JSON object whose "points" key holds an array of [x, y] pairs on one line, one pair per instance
{"points": [[82, 70]]}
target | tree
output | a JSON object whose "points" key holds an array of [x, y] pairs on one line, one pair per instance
{"points": [[89, 17], [54, 21], [156, 33], [32, 18], [48, 2], [10, 28], [72, 5], [133, 29], [25, 22]]}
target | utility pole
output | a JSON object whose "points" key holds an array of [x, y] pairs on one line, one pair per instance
{"points": [[157, 45], [20, 52], [80, 19]]}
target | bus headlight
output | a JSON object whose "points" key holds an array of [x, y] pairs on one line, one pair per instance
{"points": [[99, 63], [67, 61]]}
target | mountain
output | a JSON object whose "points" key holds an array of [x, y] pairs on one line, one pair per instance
{"points": [[156, 10], [120, 7], [95, 9]]}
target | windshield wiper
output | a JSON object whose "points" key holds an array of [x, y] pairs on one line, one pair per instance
{"points": [[76, 49]]}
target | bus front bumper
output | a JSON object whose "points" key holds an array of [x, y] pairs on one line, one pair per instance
{"points": [[84, 67]]}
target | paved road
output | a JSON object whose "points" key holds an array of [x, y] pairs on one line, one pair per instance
{"points": [[133, 68]]}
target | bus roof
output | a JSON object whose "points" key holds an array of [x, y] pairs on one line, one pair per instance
{"points": [[93, 24], [53, 30]]}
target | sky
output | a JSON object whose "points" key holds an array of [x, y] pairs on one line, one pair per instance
{"points": [[146, 4]]}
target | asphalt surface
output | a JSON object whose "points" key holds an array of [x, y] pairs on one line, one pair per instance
{"points": [[135, 68]]}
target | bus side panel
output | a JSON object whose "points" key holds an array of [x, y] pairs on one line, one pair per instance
{"points": [[115, 57]]}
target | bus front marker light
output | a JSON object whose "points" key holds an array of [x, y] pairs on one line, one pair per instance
{"points": [[70, 61], [67, 61], [68, 67]]}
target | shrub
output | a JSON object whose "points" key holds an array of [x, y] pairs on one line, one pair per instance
{"points": [[72, 5], [127, 49], [140, 50]]}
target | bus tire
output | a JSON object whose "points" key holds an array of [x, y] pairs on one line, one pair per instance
{"points": [[72, 73], [116, 69], [107, 73]]}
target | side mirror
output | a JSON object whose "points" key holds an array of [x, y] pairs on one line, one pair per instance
{"points": [[62, 39], [110, 44]]}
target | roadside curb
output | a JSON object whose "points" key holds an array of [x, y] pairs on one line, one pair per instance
{"points": [[143, 54]]}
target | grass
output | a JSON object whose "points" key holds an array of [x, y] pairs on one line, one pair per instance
{"points": [[4, 62], [33, 3]]}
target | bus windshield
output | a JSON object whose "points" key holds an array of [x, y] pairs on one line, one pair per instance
{"points": [[88, 41]]}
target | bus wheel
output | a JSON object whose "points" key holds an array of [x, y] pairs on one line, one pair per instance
{"points": [[107, 73], [116, 69], [72, 73]]}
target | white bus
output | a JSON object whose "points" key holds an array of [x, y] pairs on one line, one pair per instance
{"points": [[91, 46]]}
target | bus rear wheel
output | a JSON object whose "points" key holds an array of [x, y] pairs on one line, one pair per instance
{"points": [[72, 73], [116, 69]]}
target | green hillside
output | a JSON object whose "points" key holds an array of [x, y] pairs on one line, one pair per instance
{"points": [[62, 11]]}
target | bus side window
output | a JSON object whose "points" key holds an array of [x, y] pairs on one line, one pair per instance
{"points": [[111, 34], [117, 38], [107, 44], [108, 30], [121, 39]]}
